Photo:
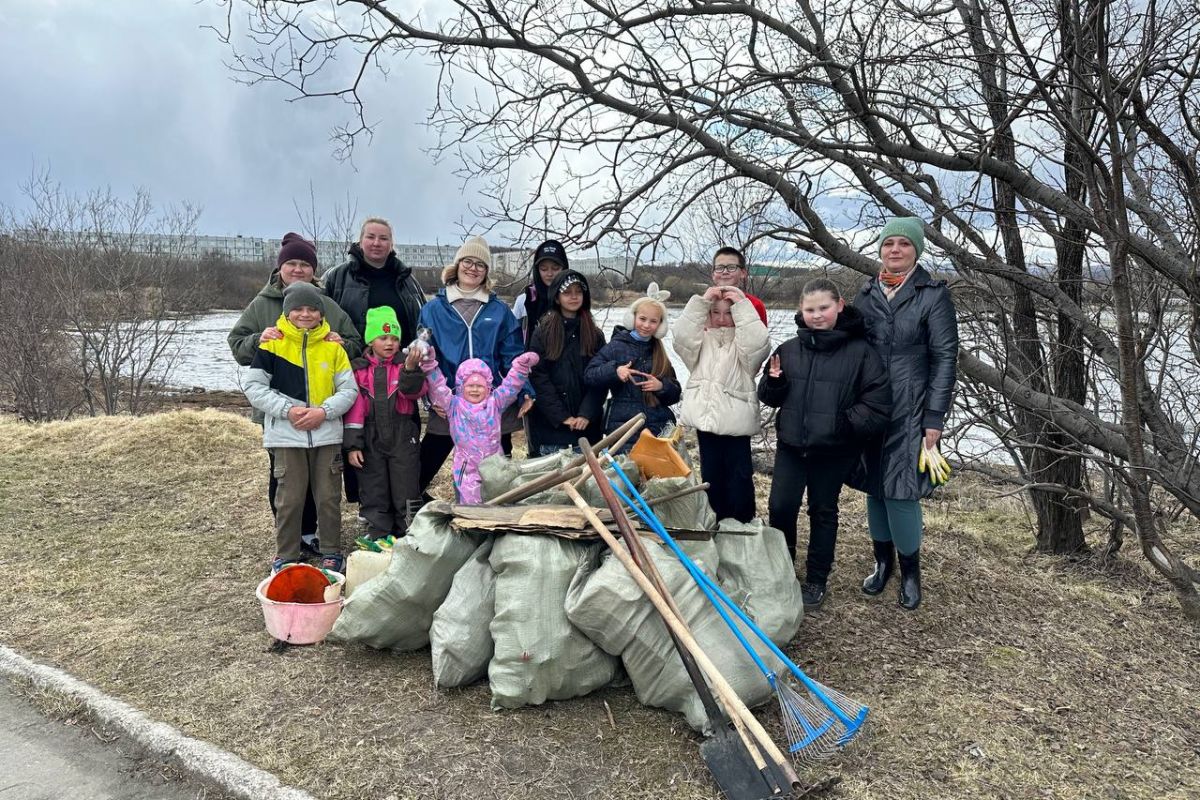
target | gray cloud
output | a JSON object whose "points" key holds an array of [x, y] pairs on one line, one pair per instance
{"points": [[134, 94]]}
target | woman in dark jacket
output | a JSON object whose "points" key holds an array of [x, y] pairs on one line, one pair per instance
{"points": [[833, 395], [371, 278], [374, 277], [635, 367], [566, 339], [911, 323]]}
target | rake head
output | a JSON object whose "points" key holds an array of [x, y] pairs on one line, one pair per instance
{"points": [[816, 731]]}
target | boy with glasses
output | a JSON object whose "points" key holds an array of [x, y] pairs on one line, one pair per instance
{"points": [[729, 270]]}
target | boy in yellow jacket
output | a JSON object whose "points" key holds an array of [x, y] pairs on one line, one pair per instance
{"points": [[303, 384]]}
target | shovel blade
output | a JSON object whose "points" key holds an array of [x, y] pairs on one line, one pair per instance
{"points": [[733, 769]]}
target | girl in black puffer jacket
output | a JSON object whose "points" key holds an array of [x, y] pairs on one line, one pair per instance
{"points": [[566, 340], [634, 366], [833, 395]]}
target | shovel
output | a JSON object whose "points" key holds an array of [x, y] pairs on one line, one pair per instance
{"points": [[731, 754]]}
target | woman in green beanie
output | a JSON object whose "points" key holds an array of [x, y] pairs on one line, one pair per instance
{"points": [[911, 322]]}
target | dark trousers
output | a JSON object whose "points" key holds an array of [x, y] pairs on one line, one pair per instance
{"points": [[726, 466], [304, 471], [350, 483], [434, 449], [308, 518], [389, 477], [819, 474]]}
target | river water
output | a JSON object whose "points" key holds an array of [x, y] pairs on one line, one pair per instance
{"points": [[205, 362]]}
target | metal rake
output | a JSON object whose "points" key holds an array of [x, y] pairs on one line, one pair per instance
{"points": [[819, 721]]}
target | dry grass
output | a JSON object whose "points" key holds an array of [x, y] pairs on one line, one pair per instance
{"points": [[132, 547]]}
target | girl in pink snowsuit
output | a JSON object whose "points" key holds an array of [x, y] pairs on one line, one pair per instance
{"points": [[473, 412]]}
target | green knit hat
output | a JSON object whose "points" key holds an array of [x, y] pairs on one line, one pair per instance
{"points": [[382, 321], [908, 227]]}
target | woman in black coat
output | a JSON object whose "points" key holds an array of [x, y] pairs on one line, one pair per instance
{"points": [[832, 394], [911, 322], [566, 340]]}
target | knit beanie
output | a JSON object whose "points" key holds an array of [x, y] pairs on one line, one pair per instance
{"points": [[908, 227], [475, 247], [302, 294], [381, 321], [296, 246]]}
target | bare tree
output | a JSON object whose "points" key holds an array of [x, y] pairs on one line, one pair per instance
{"points": [[1051, 146], [106, 282]]}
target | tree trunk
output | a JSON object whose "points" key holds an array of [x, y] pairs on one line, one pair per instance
{"points": [[1059, 526]]}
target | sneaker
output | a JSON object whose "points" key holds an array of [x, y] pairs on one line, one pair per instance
{"points": [[280, 563], [363, 521], [310, 545], [335, 562], [813, 595]]}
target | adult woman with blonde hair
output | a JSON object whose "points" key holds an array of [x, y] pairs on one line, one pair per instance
{"points": [[373, 277], [466, 320]]}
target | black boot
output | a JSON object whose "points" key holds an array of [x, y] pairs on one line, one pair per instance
{"points": [[885, 565], [910, 580]]}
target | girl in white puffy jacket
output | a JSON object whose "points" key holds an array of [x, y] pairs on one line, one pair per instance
{"points": [[723, 342]]}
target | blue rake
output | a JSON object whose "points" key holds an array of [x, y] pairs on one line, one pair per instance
{"points": [[819, 722]]}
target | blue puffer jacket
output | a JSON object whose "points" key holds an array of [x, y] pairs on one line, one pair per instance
{"points": [[494, 336], [627, 399]]}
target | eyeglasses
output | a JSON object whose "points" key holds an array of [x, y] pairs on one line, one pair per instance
{"points": [[472, 265], [725, 269]]}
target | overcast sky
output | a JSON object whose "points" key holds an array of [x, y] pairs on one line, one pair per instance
{"points": [[135, 93]]}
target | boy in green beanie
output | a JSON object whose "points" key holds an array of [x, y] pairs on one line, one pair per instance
{"points": [[383, 429]]}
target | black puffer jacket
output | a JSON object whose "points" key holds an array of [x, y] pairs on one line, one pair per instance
{"points": [[561, 392], [916, 337], [834, 391], [627, 399], [348, 287]]}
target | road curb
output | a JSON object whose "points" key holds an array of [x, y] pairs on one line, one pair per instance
{"points": [[200, 759]]}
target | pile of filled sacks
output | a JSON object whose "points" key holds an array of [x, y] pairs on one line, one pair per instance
{"points": [[549, 618]]}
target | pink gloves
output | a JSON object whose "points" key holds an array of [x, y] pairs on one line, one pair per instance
{"points": [[525, 362]]}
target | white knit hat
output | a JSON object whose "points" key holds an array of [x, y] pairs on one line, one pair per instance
{"points": [[475, 247], [656, 298]]}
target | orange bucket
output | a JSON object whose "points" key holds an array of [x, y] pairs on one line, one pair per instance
{"points": [[297, 583]]}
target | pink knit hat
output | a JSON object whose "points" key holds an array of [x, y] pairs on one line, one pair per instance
{"points": [[473, 370]]}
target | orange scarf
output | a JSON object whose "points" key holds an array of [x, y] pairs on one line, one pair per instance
{"points": [[892, 279]]}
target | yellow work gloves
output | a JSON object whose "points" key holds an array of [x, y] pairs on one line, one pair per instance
{"points": [[931, 461]]}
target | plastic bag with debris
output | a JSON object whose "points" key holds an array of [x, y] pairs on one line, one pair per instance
{"points": [[539, 655], [460, 638], [760, 566], [395, 609]]}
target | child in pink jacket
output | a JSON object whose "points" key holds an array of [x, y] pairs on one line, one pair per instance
{"points": [[473, 412], [382, 429]]}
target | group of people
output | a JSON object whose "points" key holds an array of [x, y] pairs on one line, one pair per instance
{"points": [[342, 367]]}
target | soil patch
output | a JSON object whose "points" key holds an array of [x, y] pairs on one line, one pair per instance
{"points": [[133, 546]]}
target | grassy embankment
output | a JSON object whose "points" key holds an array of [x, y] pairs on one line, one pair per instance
{"points": [[132, 547]]}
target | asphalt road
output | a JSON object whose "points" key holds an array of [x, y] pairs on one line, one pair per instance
{"points": [[49, 760]]}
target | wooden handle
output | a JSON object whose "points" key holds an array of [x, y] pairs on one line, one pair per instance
{"points": [[642, 559], [569, 471], [721, 687]]}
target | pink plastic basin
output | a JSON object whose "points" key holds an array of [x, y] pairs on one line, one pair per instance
{"points": [[299, 623]]}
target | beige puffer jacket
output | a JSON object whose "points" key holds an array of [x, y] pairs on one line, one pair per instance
{"points": [[721, 393]]}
